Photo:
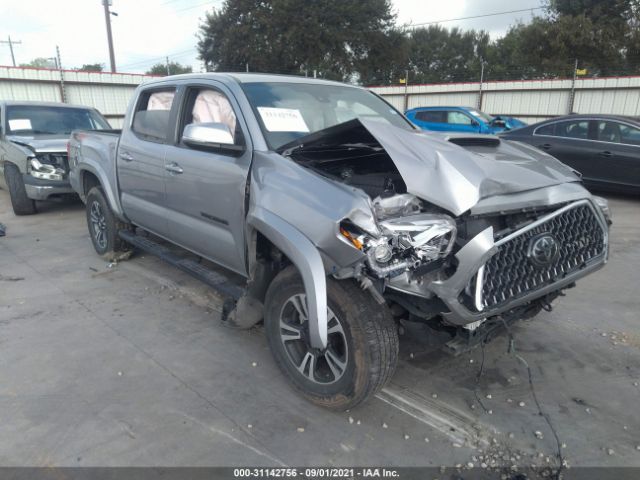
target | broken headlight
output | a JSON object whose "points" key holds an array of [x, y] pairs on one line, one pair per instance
{"points": [[405, 243], [45, 171], [430, 236]]}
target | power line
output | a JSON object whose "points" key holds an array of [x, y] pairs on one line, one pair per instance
{"points": [[162, 57], [475, 16], [196, 6]]}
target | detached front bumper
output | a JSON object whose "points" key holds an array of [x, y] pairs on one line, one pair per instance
{"points": [[39, 189], [583, 248]]}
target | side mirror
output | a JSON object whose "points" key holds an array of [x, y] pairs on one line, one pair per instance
{"points": [[474, 123], [210, 136]]}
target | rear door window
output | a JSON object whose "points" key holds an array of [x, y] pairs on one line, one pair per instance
{"points": [[152, 115], [433, 116], [546, 130], [578, 129]]}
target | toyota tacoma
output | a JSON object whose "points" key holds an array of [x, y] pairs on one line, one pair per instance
{"points": [[344, 218]]}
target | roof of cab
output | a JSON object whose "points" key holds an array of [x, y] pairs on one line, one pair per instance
{"points": [[247, 78]]}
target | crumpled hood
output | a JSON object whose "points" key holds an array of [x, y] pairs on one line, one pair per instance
{"points": [[456, 178], [41, 143]]}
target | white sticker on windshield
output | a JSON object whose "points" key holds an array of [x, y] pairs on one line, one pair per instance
{"points": [[20, 124], [283, 119]]}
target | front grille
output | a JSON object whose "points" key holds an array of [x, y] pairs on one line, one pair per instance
{"points": [[512, 272]]}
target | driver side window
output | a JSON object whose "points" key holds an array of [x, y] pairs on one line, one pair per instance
{"points": [[206, 105], [458, 118]]}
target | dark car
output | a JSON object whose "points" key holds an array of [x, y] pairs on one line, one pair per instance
{"points": [[605, 149]]}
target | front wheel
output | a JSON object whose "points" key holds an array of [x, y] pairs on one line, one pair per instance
{"points": [[103, 225], [20, 202], [362, 342]]}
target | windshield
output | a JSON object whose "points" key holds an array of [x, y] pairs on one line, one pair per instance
{"points": [[484, 116], [288, 111], [39, 120]]}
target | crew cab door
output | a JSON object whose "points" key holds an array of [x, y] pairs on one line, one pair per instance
{"points": [[205, 187], [141, 160]]}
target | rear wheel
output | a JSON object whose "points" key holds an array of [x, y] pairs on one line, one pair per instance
{"points": [[22, 205], [362, 342], [103, 225]]}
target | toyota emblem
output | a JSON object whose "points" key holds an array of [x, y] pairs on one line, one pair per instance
{"points": [[543, 249]]}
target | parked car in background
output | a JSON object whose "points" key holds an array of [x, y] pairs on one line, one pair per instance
{"points": [[604, 149], [461, 119], [33, 149], [343, 218]]}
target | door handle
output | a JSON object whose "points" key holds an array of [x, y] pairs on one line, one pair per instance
{"points": [[545, 146], [606, 153], [173, 168], [126, 156]]}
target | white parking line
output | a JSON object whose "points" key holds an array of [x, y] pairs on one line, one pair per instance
{"points": [[454, 424]]}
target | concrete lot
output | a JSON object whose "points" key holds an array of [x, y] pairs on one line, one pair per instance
{"points": [[129, 365]]}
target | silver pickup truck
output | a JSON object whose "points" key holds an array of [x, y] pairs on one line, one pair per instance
{"points": [[33, 149], [345, 219]]}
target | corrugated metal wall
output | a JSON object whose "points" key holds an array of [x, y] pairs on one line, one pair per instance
{"points": [[529, 100], [108, 92]]}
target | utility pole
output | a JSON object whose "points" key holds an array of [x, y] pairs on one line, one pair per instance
{"points": [[406, 90], [573, 87], [168, 70], [481, 81], [11, 43], [107, 19], [63, 92]]}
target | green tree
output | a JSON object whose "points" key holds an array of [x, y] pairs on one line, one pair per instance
{"points": [[601, 35], [41, 62], [437, 54], [331, 37], [174, 69], [92, 67]]}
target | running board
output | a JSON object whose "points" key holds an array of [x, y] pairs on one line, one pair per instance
{"points": [[218, 282]]}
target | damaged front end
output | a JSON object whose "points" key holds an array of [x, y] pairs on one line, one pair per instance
{"points": [[456, 235], [45, 159]]}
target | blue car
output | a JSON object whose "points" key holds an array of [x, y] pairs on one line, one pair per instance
{"points": [[460, 119]]}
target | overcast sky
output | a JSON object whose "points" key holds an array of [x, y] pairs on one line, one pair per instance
{"points": [[145, 31]]}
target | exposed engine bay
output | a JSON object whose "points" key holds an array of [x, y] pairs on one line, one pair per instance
{"points": [[412, 233]]}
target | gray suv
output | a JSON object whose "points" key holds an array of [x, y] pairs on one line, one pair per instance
{"points": [[344, 219]]}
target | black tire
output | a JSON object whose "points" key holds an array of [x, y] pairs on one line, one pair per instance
{"points": [[22, 205], [103, 226], [367, 329]]}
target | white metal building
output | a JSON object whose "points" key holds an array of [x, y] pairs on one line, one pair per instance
{"points": [[108, 92], [529, 100]]}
